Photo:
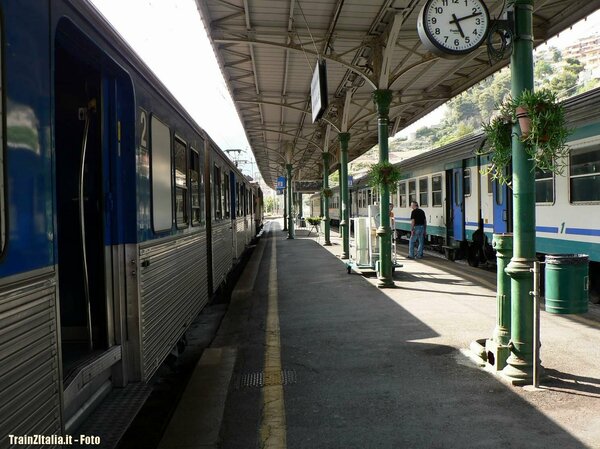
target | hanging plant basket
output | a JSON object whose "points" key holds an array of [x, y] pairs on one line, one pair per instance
{"points": [[543, 131], [314, 221], [384, 174], [326, 193], [524, 120]]}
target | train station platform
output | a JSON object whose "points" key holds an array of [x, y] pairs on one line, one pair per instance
{"points": [[308, 356]]}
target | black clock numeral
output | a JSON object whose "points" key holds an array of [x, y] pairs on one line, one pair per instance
{"points": [[437, 31], [444, 2], [456, 42], [475, 11], [433, 20], [475, 32], [477, 21], [445, 39], [439, 10], [467, 40], [466, 2]]}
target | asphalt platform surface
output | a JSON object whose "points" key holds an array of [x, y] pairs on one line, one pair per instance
{"points": [[368, 368]]}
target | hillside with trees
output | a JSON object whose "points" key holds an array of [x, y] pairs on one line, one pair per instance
{"points": [[466, 112]]}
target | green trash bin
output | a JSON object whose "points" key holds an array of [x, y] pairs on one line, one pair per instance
{"points": [[567, 283]]}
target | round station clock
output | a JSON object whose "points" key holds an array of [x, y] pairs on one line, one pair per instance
{"points": [[453, 27]]}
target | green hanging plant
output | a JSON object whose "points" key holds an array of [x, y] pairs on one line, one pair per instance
{"points": [[383, 174], [326, 192], [499, 146], [314, 221], [543, 129]]}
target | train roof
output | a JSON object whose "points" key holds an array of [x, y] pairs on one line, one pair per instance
{"points": [[580, 110]]}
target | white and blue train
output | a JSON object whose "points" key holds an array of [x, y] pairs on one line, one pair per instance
{"points": [[119, 216], [464, 207]]}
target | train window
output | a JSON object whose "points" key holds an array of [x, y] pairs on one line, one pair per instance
{"points": [[584, 172], [369, 197], [196, 188], [489, 184], [467, 181], [423, 192], [217, 183], [402, 194], [160, 153], [181, 184], [243, 199], [226, 196], [394, 196], [499, 193], [412, 191], [544, 187], [457, 192], [246, 200], [436, 190]]}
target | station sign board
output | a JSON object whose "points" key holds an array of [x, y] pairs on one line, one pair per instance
{"points": [[308, 186], [280, 183], [318, 90]]}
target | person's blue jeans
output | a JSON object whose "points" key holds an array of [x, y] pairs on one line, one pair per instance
{"points": [[420, 236]]}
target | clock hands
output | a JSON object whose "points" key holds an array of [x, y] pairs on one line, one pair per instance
{"points": [[456, 21]]}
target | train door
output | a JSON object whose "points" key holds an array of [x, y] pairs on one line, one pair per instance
{"points": [[501, 202], [457, 205], [88, 104]]}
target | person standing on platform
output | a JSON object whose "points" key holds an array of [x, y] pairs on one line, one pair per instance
{"points": [[418, 230]]}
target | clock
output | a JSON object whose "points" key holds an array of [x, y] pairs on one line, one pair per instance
{"points": [[453, 28]]}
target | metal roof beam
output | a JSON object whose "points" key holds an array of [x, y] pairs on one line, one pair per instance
{"points": [[261, 43]]}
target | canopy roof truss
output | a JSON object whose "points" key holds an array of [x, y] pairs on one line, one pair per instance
{"points": [[267, 50]]}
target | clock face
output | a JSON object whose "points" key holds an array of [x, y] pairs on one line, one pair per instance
{"points": [[454, 27]]}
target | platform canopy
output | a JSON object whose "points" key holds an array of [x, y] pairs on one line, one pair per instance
{"points": [[268, 50]]}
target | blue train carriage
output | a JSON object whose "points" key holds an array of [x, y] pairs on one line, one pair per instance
{"points": [[96, 150], [465, 208]]}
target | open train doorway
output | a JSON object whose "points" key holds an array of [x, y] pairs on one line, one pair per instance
{"points": [[94, 128], [80, 208]]}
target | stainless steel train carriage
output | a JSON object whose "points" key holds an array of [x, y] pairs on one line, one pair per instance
{"points": [[119, 217]]}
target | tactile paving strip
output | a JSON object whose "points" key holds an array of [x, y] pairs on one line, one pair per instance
{"points": [[262, 379]]}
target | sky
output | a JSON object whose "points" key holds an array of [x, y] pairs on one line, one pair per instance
{"points": [[156, 30]]}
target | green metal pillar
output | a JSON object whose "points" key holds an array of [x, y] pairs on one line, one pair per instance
{"points": [[290, 202], [326, 199], [519, 367], [497, 348], [345, 197], [285, 208], [502, 243], [382, 99]]}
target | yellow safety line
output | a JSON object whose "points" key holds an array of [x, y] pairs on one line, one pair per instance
{"points": [[272, 426]]}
